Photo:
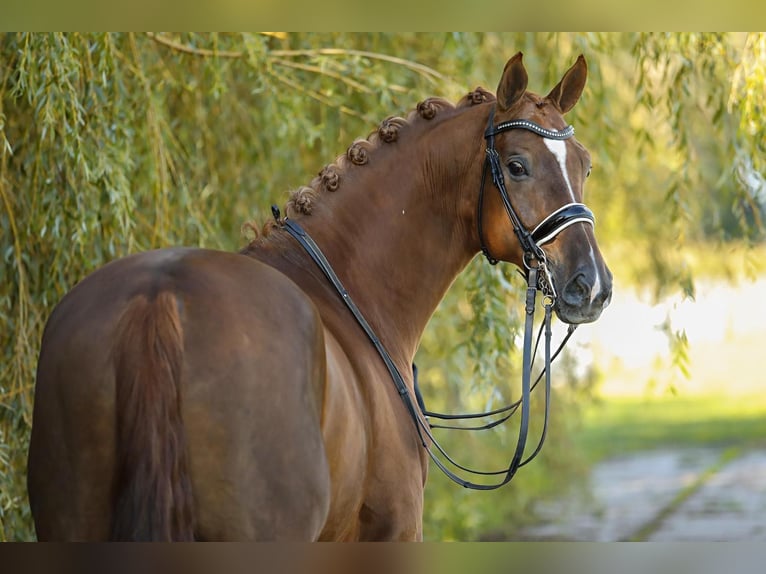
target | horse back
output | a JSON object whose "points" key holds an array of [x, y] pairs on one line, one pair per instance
{"points": [[179, 395]]}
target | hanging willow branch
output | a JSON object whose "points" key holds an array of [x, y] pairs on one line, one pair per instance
{"points": [[193, 51], [421, 69]]}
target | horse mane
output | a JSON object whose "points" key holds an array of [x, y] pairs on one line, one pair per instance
{"points": [[329, 179]]}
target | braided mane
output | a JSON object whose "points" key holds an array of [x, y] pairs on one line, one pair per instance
{"points": [[330, 177]]}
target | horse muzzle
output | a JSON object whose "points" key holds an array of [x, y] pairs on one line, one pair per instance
{"points": [[584, 296]]}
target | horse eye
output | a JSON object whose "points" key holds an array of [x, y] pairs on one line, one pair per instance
{"points": [[517, 168], [588, 173]]}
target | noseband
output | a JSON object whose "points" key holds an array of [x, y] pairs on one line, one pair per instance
{"points": [[538, 278]]}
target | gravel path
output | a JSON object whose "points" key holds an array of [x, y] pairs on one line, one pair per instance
{"points": [[701, 494]]}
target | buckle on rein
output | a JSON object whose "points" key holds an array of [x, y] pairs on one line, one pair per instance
{"points": [[545, 285]]}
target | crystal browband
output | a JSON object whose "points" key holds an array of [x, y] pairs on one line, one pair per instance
{"points": [[564, 134]]}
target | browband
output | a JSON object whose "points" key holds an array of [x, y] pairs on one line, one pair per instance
{"points": [[564, 134]]}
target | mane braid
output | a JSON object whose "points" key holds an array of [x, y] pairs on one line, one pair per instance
{"points": [[330, 178]]}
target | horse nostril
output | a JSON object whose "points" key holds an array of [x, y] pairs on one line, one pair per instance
{"points": [[603, 297], [577, 291]]}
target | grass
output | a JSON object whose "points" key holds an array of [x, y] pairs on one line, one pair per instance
{"points": [[625, 425]]}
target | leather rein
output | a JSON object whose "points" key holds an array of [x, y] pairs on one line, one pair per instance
{"points": [[538, 279]]}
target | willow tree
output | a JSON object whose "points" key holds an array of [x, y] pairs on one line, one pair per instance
{"points": [[114, 143]]}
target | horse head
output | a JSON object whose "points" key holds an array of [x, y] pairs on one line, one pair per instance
{"points": [[538, 216]]}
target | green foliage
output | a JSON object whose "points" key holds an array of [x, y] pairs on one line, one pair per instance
{"points": [[114, 143], [621, 426]]}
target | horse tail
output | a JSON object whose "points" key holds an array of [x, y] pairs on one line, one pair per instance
{"points": [[153, 496]]}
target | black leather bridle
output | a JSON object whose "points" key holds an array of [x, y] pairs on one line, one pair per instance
{"points": [[531, 241], [538, 278]]}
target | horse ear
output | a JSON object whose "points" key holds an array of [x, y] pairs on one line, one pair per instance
{"points": [[513, 84], [568, 90]]}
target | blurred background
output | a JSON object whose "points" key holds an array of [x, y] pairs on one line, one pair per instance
{"points": [[115, 143]]}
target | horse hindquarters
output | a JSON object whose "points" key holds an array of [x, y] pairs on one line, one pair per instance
{"points": [[108, 456], [180, 382]]}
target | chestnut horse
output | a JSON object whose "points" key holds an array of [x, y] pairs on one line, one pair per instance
{"points": [[190, 394]]}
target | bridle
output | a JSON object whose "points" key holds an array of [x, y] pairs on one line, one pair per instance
{"points": [[531, 241], [538, 278]]}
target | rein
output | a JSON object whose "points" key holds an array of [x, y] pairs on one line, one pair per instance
{"points": [[538, 278]]}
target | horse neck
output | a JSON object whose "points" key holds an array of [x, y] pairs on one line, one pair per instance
{"points": [[399, 230]]}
